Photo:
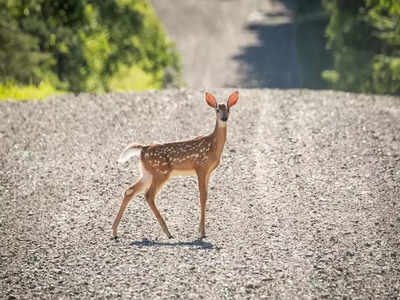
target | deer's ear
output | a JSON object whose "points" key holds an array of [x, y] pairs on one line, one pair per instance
{"points": [[233, 99], [211, 100]]}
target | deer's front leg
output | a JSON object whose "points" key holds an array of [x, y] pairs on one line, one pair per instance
{"points": [[203, 178]]}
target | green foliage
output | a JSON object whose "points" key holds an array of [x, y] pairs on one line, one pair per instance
{"points": [[384, 15], [21, 58], [80, 45], [364, 37]]}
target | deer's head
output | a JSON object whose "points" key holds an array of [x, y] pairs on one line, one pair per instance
{"points": [[222, 110]]}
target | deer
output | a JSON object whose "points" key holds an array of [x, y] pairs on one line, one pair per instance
{"points": [[159, 162]]}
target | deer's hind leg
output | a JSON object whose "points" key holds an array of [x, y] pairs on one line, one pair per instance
{"points": [[156, 185], [131, 192]]}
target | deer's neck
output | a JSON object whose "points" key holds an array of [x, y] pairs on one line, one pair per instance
{"points": [[219, 137]]}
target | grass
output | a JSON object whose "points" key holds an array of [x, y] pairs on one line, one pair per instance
{"points": [[133, 79], [11, 90], [127, 79]]}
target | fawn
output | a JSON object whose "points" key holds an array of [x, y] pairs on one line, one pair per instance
{"points": [[199, 156]]}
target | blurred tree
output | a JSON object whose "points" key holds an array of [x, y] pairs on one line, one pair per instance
{"points": [[20, 56], [384, 15], [80, 44], [364, 36]]}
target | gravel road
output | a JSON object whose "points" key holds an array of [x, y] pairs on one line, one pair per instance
{"points": [[305, 203], [229, 43]]}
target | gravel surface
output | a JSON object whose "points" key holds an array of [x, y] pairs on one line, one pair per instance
{"points": [[305, 203]]}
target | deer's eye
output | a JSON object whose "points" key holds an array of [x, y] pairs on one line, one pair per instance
{"points": [[217, 109]]}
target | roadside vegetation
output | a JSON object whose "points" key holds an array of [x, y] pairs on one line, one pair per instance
{"points": [[77, 46], [56, 46], [350, 45]]}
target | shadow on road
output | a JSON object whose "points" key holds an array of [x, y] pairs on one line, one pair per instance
{"points": [[272, 62], [198, 244]]}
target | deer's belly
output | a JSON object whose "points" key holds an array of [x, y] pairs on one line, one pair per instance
{"points": [[183, 172]]}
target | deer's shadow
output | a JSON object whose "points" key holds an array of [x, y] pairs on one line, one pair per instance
{"points": [[197, 244]]}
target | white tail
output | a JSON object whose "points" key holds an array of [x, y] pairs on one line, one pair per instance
{"points": [[130, 151], [199, 156]]}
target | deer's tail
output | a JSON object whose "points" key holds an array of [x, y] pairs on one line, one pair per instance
{"points": [[129, 151]]}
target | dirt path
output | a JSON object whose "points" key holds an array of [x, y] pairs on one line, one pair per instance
{"points": [[246, 43], [305, 203]]}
